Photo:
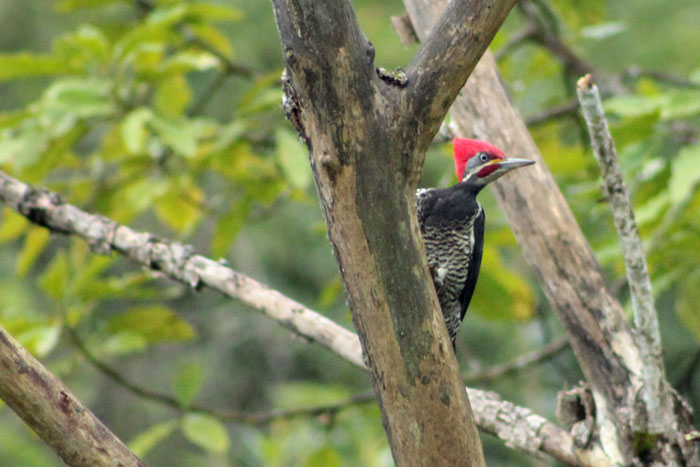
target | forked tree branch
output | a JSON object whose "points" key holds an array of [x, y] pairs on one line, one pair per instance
{"points": [[529, 433], [367, 132]]}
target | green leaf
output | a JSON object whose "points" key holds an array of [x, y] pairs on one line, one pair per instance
{"points": [[187, 382], [173, 95], [602, 31], [145, 441], [155, 323], [293, 158], [87, 46], [500, 293], [41, 338], [25, 64], [187, 61], [681, 103], [179, 205], [179, 135], [55, 278], [134, 129], [635, 105], [122, 343], [12, 225], [80, 98], [206, 432], [213, 37], [213, 12], [685, 173], [652, 209], [324, 457], [227, 228], [34, 243], [687, 304], [72, 5]]}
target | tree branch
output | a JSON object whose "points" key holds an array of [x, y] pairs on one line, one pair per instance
{"points": [[526, 431], [518, 364], [447, 57], [48, 210], [256, 418], [656, 392], [54, 413], [176, 261]]}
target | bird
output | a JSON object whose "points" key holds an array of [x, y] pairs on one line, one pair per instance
{"points": [[452, 225]]}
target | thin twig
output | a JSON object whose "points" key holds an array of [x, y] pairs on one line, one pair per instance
{"points": [[567, 108], [256, 418], [657, 396], [636, 72], [686, 379], [518, 364], [206, 96], [516, 40]]}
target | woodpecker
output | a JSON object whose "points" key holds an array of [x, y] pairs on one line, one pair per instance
{"points": [[452, 224]]}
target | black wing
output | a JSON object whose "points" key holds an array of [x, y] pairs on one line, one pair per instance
{"points": [[474, 264]]}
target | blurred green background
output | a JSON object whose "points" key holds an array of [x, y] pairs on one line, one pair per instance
{"points": [[165, 115]]}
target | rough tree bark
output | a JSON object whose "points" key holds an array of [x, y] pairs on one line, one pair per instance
{"points": [[367, 133], [565, 267], [54, 413]]}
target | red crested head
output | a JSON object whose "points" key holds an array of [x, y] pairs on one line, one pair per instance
{"points": [[465, 149]]}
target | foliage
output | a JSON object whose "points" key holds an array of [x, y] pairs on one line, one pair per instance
{"points": [[165, 115]]}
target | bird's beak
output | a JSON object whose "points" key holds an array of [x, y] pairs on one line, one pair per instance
{"points": [[509, 164]]}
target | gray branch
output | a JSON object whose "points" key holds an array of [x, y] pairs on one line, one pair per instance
{"points": [[656, 393], [530, 433], [178, 262]]}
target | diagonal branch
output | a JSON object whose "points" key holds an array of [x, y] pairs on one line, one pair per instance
{"points": [[176, 261], [54, 413], [447, 57], [48, 210], [518, 364]]}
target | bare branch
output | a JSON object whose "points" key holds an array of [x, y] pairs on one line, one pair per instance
{"points": [[178, 262], [636, 72], [567, 108], [656, 393], [54, 413], [515, 41], [546, 35], [518, 364], [46, 209], [256, 418], [526, 431]]}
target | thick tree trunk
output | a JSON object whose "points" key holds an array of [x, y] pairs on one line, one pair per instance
{"points": [[367, 133]]}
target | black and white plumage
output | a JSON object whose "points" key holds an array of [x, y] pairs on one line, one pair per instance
{"points": [[452, 224]]}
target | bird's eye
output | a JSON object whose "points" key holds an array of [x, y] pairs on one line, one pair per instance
{"points": [[483, 157]]}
